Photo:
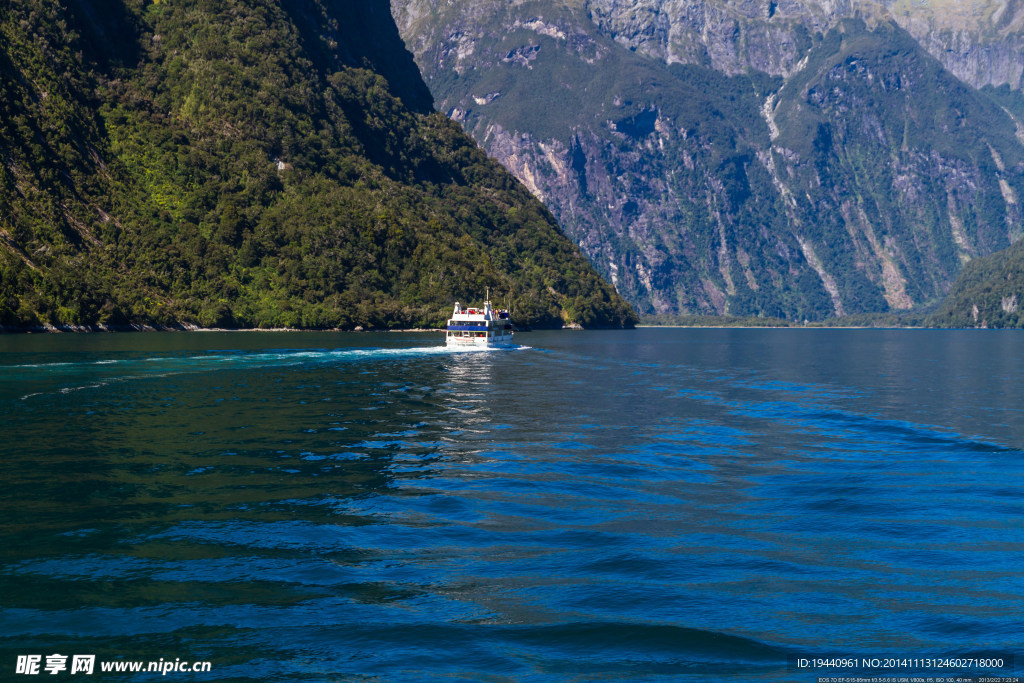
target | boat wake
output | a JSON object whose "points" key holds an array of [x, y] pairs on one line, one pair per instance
{"points": [[97, 373]]}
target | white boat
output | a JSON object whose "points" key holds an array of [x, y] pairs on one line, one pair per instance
{"points": [[479, 328]]}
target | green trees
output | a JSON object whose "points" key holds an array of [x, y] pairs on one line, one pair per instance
{"points": [[988, 293], [247, 164]]}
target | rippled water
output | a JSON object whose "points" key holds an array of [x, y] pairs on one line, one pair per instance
{"points": [[649, 505]]}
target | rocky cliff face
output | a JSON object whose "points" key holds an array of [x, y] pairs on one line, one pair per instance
{"points": [[796, 158], [979, 42]]}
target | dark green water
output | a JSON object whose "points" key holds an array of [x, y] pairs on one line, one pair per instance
{"points": [[649, 505]]}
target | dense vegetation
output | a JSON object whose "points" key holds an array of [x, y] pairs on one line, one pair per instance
{"points": [[253, 163], [988, 293], [911, 319]]}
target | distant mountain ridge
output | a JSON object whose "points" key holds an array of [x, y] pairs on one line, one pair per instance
{"points": [[254, 163], [979, 41], [798, 159]]}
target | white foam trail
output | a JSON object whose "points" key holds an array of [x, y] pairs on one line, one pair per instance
{"points": [[162, 366]]}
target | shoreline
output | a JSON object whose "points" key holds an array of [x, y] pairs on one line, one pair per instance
{"points": [[792, 327], [101, 329], [816, 327], [188, 327], [113, 329]]}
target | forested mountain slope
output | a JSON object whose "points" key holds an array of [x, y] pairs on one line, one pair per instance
{"points": [[988, 293], [799, 159], [253, 163]]}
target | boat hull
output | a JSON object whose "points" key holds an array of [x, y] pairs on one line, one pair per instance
{"points": [[477, 343]]}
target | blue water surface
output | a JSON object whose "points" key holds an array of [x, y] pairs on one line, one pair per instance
{"points": [[657, 504]]}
